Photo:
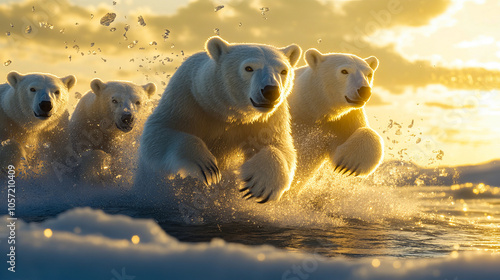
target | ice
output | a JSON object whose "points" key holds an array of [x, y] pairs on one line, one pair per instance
{"points": [[108, 18], [218, 8], [140, 20], [166, 34], [89, 244]]}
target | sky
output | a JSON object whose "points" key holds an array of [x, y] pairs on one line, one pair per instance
{"points": [[436, 94]]}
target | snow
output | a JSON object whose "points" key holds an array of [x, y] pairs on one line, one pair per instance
{"points": [[90, 244]]}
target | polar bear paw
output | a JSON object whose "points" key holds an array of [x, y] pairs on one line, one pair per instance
{"points": [[264, 177], [360, 155], [200, 164]]}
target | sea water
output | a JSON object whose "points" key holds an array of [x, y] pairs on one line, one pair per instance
{"points": [[331, 215]]}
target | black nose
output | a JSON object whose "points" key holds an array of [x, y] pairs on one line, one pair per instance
{"points": [[271, 93], [365, 92], [45, 106], [127, 118]]}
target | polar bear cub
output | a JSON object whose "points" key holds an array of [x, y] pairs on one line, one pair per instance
{"points": [[213, 105], [33, 119], [328, 117], [100, 127]]}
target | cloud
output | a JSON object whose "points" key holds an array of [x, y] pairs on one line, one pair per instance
{"points": [[480, 40], [448, 106], [310, 23]]}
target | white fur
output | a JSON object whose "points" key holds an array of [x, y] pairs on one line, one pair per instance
{"points": [[325, 124], [206, 117], [99, 137], [30, 138]]}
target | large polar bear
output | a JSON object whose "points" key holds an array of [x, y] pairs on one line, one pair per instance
{"points": [[33, 120], [328, 118], [100, 128], [214, 105]]}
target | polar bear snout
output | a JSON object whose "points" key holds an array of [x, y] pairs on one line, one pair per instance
{"points": [[45, 106], [126, 122], [364, 93], [44, 110], [271, 93]]}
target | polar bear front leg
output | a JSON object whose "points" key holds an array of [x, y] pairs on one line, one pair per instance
{"points": [[187, 155], [268, 174], [360, 154], [11, 153]]}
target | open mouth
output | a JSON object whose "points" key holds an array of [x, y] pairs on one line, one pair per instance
{"points": [[125, 128], [355, 103], [262, 105], [42, 116]]}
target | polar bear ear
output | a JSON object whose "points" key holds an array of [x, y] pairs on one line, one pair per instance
{"points": [[216, 47], [314, 57], [69, 81], [150, 89], [373, 62], [13, 78], [293, 52], [97, 86]]}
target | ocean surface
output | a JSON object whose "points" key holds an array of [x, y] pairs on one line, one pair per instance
{"points": [[379, 216]]}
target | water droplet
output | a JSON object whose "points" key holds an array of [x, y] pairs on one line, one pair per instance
{"points": [[319, 40], [92, 44], [28, 29], [103, 59], [240, 24], [153, 43], [78, 95], [114, 3], [140, 19], [131, 45], [91, 16], [76, 47], [33, 9], [62, 31], [69, 58], [217, 31], [7, 33], [11, 25], [46, 145], [107, 19], [7, 63], [172, 46], [112, 29], [127, 27], [218, 8]]}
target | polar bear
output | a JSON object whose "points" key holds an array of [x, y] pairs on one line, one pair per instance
{"points": [[101, 128], [33, 120], [328, 118], [215, 104]]}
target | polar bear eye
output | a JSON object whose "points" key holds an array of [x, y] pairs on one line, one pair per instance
{"points": [[32, 89], [284, 72], [344, 72], [114, 101], [138, 103], [249, 69], [57, 92], [370, 76]]}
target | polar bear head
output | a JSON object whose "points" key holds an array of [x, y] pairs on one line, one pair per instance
{"points": [[121, 102], [346, 80], [256, 78], [40, 97]]}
